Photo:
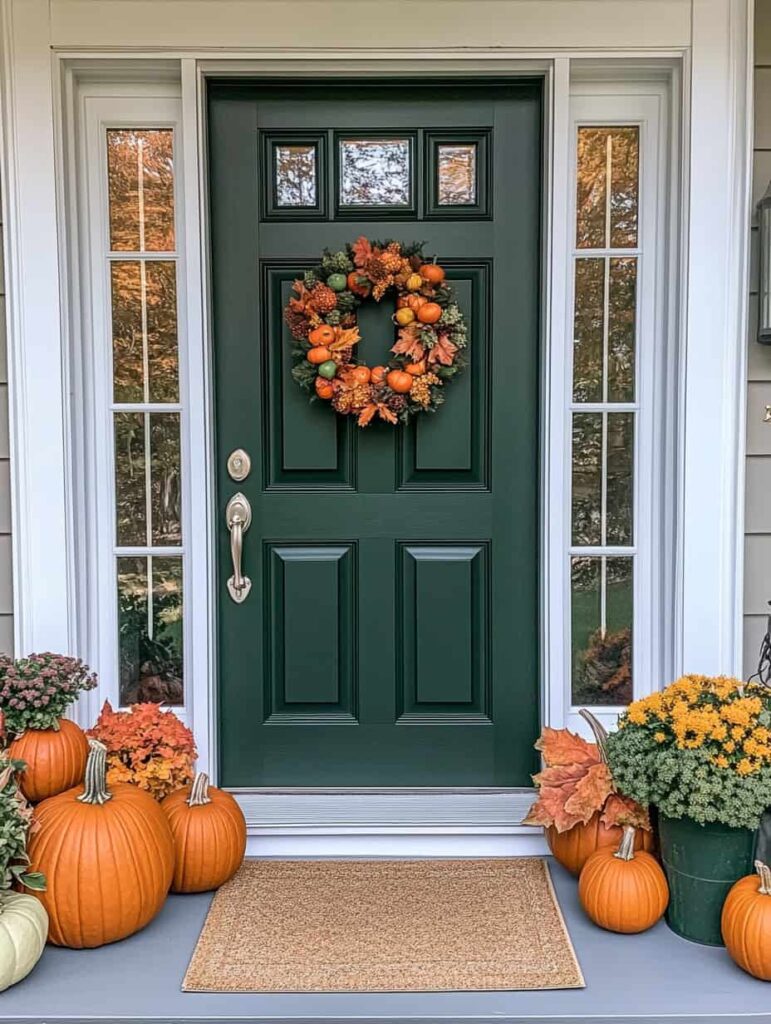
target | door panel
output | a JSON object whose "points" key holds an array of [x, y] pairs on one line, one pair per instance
{"points": [[391, 634]]}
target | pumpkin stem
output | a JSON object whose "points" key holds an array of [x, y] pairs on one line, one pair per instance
{"points": [[199, 791], [765, 877], [95, 789], [600, 733], [626, 847]]}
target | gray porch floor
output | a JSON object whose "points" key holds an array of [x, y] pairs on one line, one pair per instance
{"points": [[653, 977]]}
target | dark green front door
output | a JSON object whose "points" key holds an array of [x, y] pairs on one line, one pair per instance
{"points": [[391, 634]]}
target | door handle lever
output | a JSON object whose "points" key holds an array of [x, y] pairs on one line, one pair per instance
{"points": [[238, 518]]}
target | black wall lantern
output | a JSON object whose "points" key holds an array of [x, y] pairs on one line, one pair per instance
{"points": [[764, 312]]}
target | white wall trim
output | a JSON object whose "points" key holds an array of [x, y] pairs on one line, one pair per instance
{"points": [[714, 318]]}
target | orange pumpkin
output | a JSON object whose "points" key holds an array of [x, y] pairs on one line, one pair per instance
{"points": [[573, 847], [415, 301], [359, 286], [399, 381], [429, 313], [319, 354], [361, 374], [416, 369], [746, 922], [623, 891], [378, 374], [432, 273], [323, 335], [209, 835], [324, 388], [55, 759], [108, 857]]}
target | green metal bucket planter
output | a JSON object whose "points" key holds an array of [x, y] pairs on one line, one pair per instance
{"points": [[702, 862]]}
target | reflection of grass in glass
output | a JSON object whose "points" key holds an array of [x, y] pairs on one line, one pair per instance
{"points": [[585, 620]]}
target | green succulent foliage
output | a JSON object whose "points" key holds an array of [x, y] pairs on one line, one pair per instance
{"points": [[15, 822], [685, 783], [310, 277], [335, 263], [304, 374]]}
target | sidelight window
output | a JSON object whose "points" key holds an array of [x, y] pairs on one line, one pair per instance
{"points": [[145, 408], [604, 414]]}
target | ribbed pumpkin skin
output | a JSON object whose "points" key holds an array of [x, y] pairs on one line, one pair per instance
{"points": [[574, 847], [23, 930], [108, 867], [56, 759], [746, 927], [626, 896], [209, 840]]}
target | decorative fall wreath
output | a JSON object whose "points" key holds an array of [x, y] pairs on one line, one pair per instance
{"points": [[322, 320]]}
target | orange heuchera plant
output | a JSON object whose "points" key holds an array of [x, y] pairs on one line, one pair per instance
{"points": [[576, 784], [146, 746]]}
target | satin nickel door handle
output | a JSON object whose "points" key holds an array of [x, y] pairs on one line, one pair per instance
{"points": [[238, 517]]}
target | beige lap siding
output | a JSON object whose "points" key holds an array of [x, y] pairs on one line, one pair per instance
{"points": [[6, 581], [757, 579]]}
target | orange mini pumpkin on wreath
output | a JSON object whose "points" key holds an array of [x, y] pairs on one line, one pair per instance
{"points": [[431, 331]]}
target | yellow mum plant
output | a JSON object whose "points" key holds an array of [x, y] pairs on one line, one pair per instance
{"points": [[701, 748]]}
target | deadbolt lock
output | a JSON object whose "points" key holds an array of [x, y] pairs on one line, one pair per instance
{"points": [[239, 465]]}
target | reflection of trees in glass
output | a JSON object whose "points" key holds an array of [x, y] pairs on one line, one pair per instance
{"points": [[144, 312], [140, 171], [601, 651], [150, 632], [457, 174], [295, 169], [165, 477], [588, 528], [589, 329], [375, 172], [607, 158], [131, 478]]}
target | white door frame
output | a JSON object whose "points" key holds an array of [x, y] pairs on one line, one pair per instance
{"points": [[710, 320]]}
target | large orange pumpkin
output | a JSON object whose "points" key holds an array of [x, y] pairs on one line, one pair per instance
{"points": [[55, 758], [209, 835], [108, 857], [573, 847], [746, 922], [621, 890]]}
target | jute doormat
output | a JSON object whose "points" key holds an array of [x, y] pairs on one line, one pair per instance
{"points": [[385, 926]]}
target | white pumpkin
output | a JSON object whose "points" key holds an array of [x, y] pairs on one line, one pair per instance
{"points": [[23, 933]]}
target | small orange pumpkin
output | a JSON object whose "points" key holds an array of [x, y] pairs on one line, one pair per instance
{"points": [[361, 374], [324, 388], [108, 858], [399, 381], [746, 922], [432, 273], [209, 835], [415, 301], [358, 285], [429, 313], [318, 355], [55, 759], [623, 891], [573, 847], [416, 369], [378, 374], [323, 335]]}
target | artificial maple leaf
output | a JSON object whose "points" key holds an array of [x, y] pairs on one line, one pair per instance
{"points": [[555, 788], [561, 746], [345, 338], [409, 345], [623, 810], [362, 250], [443, 351], [590, 793], [379, 408]]}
